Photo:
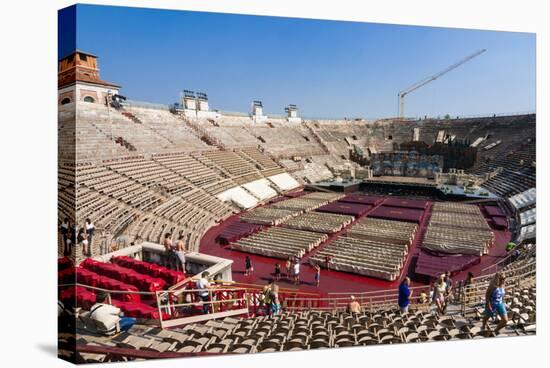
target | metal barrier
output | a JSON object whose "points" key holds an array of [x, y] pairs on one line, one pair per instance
{"points": [[185, 303], [473, 296], [146, 105], [370, 300], [376, 300], [221, 302], [217, 303], [290, 298]]}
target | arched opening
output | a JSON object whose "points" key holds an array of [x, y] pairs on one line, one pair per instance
{"points": [[65, 101], [89, 99]]}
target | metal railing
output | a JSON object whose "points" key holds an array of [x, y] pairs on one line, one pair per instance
{"points": [[146, 105], [214, 302], [289, 297], [369, 300], [380, 299], [474, 295], [183, 307]]}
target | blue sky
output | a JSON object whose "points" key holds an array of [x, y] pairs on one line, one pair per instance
{"points": [[327, 68]]}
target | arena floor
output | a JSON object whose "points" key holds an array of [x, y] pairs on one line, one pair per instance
{"points": [[334, 281]]}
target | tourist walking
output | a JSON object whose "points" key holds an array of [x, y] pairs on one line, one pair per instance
{"points": [[65, 229], [317, 269], [275, 303], [328, 261], [297, 272], [405, 293], [448, 287], [265, 298], [204, 286], [277, 271], [491, 287], [496, 307], [288, 268], [353, 306], [82, 239], [90, 231], [467, 286], [248, 266], [440, 288]]}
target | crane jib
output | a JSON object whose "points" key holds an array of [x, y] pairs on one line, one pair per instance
{"points": [[431, 78]]}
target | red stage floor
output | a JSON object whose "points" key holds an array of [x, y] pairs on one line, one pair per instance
{"points": [[334, 281]]}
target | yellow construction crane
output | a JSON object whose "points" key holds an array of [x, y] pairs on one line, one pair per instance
{"points": [[401, 95]]}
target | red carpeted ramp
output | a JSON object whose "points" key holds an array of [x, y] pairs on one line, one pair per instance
{"points": [[434, 265], [344, 208], [406, 203], [396, 213]]}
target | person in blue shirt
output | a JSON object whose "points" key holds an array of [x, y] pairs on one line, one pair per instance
{"points": [[405, 294], [496, 306]]}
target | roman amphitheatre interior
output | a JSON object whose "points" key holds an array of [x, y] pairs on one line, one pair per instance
{"points": [[362, 203]]}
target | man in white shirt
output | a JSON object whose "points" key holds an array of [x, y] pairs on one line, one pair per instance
{"points": [[90, 231], [204, 285], [297, 272], [110, 315]]}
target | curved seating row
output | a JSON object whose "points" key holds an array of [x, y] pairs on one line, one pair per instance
{"points": [[455, 208], [388, 231], [280, 242], [237, 230], [319, 222], [448, 219], [327, 196], [458, 240], [300, 204], [456, 228], [364, 257], [269, 215]]}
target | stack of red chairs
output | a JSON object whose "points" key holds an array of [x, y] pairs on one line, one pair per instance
{"points": [[171, 277], [143, 282], [139, 310], [64, 263], [66, 276], [110, 277], [77, 296], [91, 278]]}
